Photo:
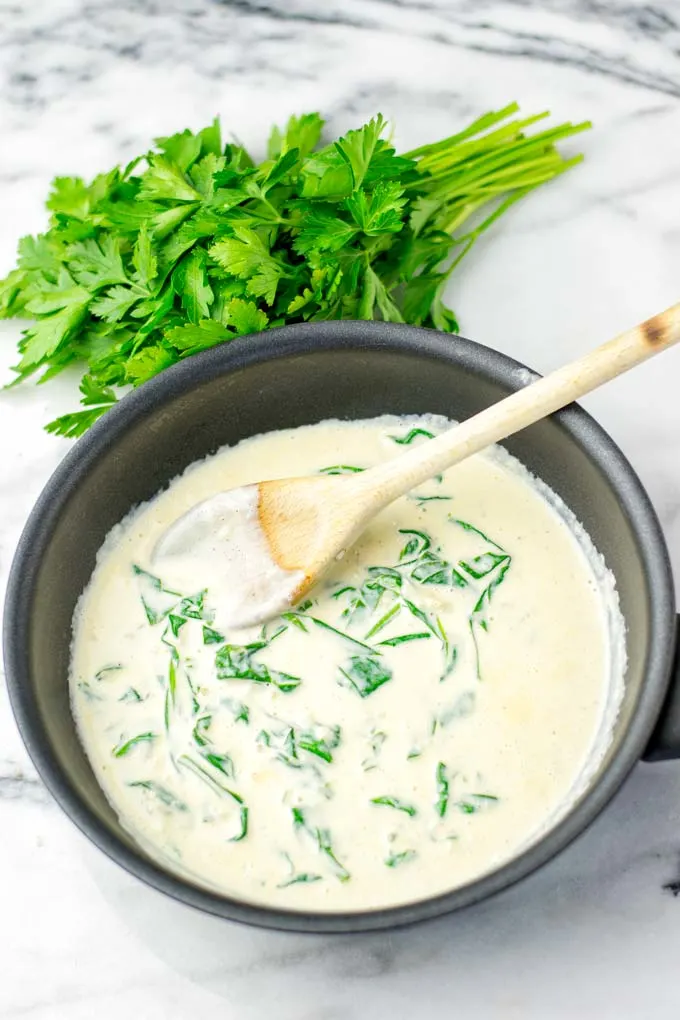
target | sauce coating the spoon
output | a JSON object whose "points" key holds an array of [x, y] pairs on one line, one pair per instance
{"points": [[223, 534]]}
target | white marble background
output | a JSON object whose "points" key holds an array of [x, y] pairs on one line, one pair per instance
{"points": [[86, 83]]}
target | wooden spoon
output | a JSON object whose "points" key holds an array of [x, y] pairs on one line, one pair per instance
{"points": [[269, 542]]}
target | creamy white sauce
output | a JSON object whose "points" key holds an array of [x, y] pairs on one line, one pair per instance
{"points": [[223, 534], [439, 704]]}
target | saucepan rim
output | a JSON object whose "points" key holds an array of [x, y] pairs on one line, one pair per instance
{"points": [[301, 340]]}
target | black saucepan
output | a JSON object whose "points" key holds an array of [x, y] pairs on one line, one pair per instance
{"points": [[294, 376]]}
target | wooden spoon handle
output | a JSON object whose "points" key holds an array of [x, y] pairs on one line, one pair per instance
{"points": [[524, 407]]}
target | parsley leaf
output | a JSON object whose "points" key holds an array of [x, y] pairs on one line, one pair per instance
{"points": [[191, 284], [97, 263], [165, 180], [246, 256]]}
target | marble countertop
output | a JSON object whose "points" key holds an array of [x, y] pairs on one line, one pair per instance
{"points": [[88, 84]]}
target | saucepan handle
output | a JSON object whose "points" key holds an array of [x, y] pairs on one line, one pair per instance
{"points": [[665, 742]]}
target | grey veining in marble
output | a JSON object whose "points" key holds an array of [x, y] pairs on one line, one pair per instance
{"points": [[87, 84], [631, 42]]}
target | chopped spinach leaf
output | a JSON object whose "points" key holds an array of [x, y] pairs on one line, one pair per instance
{"points": [[301, 878], [394, 802], [176, 623], [298, 878], [442, 790], [366, 674], [475, 802], [106, 670], [402, 639], [470, 527], [299, 820], [421, 500], [240, 711], [320, 741], [212, 637], [201, 727], [463, 706], [223, 762], [393, 860], [340, 469], [161, 793], [125, 746], [131, 694], [384, 620], [322, 837], [219, 789], [88, 692], [411, 435], [237, 662]]}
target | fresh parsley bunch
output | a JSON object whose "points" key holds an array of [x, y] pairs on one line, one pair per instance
{"points": [[194, 243]]}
